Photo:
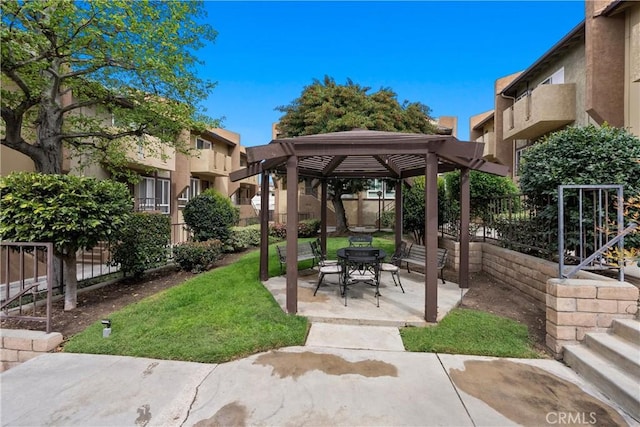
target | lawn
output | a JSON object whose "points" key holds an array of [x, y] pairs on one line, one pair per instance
{"points": [[226, 313]]}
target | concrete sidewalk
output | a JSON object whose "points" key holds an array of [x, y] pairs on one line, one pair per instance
{"points": [[345, 375]]}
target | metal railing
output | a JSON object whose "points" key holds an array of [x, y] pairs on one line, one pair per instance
{"points": [[27, 278]]}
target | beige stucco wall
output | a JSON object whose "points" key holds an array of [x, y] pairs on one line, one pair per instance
{"points": [[632, 69]]}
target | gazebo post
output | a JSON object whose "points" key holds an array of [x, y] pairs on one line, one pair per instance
{"points": [[465, 207], [431, 237], [264, 227], [292, 234], [323, 217], [398, 212]]}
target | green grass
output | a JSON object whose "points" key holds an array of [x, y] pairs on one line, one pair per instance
{"points": [[464, 331], [226, 314], [215, 317]]}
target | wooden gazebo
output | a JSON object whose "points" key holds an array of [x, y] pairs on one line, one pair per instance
{"points": [[368, 154]]}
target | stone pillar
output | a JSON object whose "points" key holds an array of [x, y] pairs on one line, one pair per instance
{"points": [[577, 306]]}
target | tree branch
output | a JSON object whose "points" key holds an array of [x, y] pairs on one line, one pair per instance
{"points": [[104, 135]]}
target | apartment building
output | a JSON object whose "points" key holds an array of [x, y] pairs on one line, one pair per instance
{"points": [[591, 76], [167, 179]]}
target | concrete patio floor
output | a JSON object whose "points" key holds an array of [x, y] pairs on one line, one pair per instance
{"points": [[396, 308]]}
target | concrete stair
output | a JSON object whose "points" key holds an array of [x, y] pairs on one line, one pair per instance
{"points": [[611, 361]]}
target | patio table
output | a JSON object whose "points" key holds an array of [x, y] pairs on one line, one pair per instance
{"points": [[361, 264]]}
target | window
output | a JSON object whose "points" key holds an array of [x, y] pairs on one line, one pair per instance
{"points": [[380, 185], [518, 159], [201, 144], [154, 194], [194, 187], [555, 78], [163, 195]]}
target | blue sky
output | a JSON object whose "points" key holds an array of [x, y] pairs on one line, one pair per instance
{"points": [[446, 55]]}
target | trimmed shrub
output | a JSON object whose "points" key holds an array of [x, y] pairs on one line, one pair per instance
{"points": [[278, 230], [308, 228], [388, 219], [197, 256], [143, 243], [242, 238], [210, 215]]}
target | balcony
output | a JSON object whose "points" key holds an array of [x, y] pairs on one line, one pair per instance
{"points": [[252, 180], [489, 141], [210, 163], [154, 155], [546, 108]]}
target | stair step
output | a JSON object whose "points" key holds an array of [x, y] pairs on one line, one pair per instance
{"points": [[617, 350], [628, 329], [618, 385]]}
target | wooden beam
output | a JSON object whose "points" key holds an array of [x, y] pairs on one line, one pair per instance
{"points": [[264, 227], [251, 170], [465, 209], [292, 235], [398, 212], [431, 237]]}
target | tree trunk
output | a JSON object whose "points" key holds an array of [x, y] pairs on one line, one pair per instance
{"points": [[49, 159], [70, 281], [341, 216]]}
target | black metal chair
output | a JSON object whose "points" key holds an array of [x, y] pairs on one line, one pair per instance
{"points": [[393, 266], [325, 266], [361, 240], [361, 265]]}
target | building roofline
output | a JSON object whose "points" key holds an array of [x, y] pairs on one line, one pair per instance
{"points": [[577, 31]]}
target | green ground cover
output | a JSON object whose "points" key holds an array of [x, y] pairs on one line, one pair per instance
{"points": [[226, 313]]}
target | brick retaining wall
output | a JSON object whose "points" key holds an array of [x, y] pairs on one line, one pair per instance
{"points": [[573, 307], [19, 345], [578, 306]]}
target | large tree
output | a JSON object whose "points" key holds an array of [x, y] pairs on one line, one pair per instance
{"points": [[86, 74], [325, 106]]}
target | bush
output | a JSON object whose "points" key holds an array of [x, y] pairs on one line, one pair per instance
{"points": [[242, 238], [388, 219], [306, 228], [197, 256], [210, 215], [143, 243], [483, 188], [278, 231], [598, 155]]}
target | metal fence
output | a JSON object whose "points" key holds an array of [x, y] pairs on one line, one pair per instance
{"points": [[512, 221], [27, 275]]}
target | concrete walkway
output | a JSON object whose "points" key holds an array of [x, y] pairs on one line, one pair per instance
{"points": [[320, 384], [349, 373]]}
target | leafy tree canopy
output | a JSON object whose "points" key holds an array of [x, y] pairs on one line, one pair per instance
{"points": [[325, 106], [72, 212], [581, 155], [88, 73]]}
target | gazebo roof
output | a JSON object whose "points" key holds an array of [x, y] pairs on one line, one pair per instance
{"points": [[363, 153]]}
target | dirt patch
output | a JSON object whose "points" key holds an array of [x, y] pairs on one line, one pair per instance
{"points": [[484, 294], [492, 296]]}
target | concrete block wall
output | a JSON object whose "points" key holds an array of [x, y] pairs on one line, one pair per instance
{"points": [[453, 254], [524, 272], [577, 306], [18, 346]]}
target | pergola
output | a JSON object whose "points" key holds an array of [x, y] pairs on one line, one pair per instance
{"points": [[368, 154]]}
